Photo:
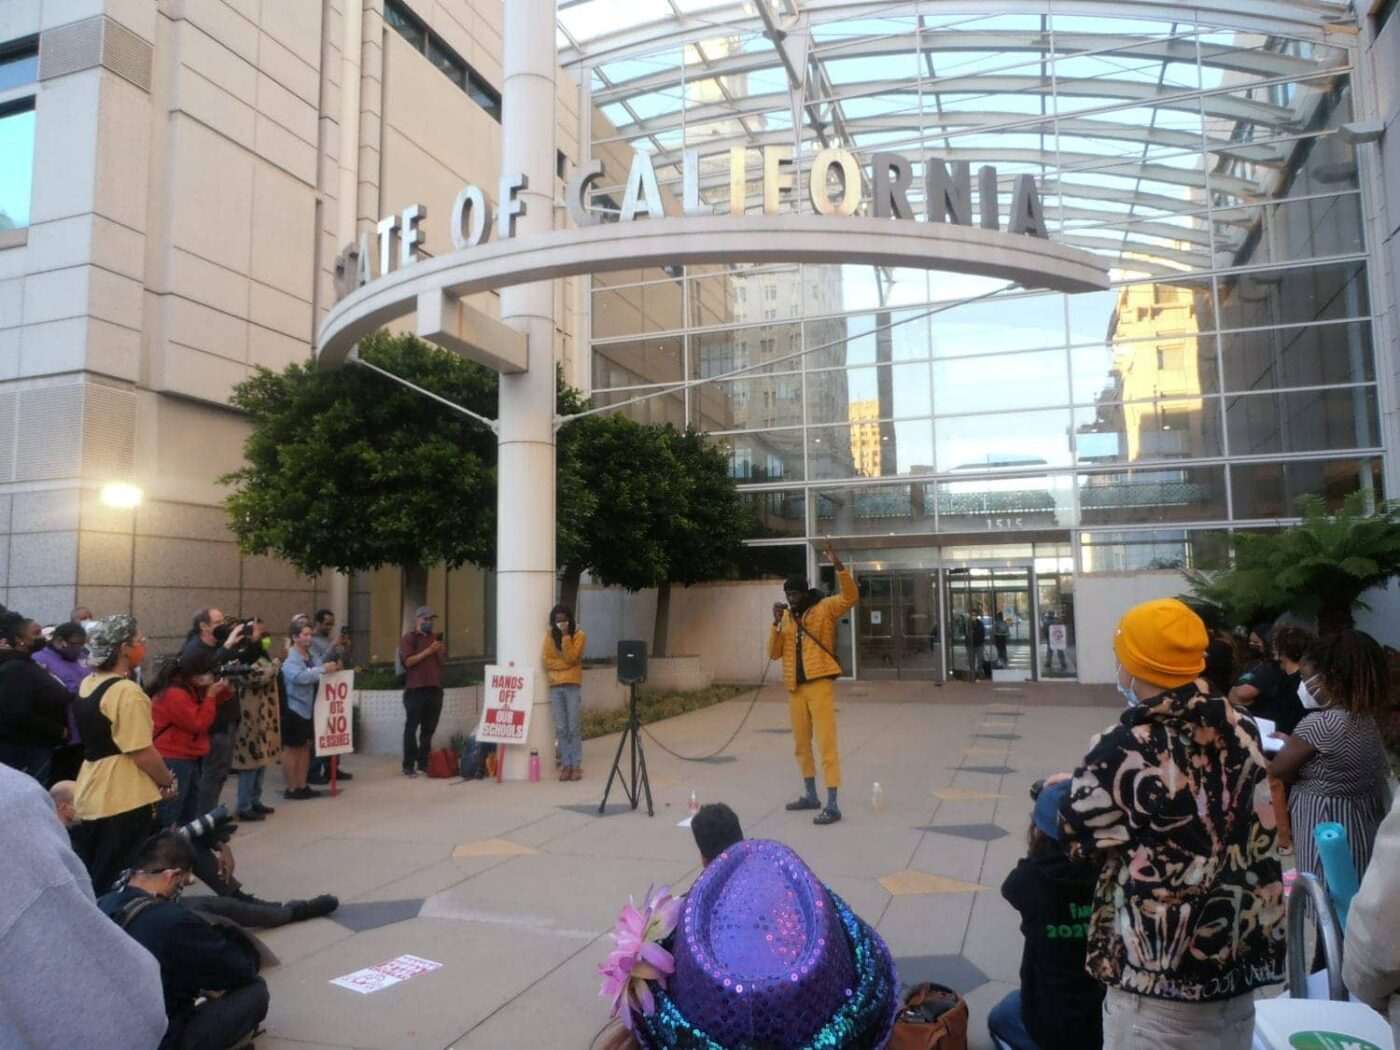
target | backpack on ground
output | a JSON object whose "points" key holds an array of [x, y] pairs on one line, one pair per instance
{"points": [[442, 763], [933, 1017], [473, 762]]}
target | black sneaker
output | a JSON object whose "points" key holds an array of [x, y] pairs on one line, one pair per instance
{"points": [[266, 811], [805, 802], [409, 771], [301, 793], [827, 816], [344, 774], [249, 815], [314, 908]]}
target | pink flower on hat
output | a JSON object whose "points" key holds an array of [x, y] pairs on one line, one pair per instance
{"points": [[637, 956]]}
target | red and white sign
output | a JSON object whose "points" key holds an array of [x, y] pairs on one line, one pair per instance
{"points": [[386, 974], [508, 694], [332, 719]]}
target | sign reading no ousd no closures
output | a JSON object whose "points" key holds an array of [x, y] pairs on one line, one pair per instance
{"points": [[334, 726], [507, 696]]}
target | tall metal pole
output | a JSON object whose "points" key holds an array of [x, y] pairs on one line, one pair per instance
{"points": [[526, 473]]}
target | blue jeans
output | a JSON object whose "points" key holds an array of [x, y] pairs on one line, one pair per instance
{"points": [[1008, 1026], [184, 807], [250, 787], [565, 701]]}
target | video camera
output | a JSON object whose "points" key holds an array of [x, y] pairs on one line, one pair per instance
{"points": [[212, 829], [234, 669]]}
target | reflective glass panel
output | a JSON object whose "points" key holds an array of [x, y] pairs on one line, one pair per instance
{"points": [[1299, 295], [1303, 421], [1313, 355], [631, 311], [718, 353], [999, 504], [746, 296], [889, 392], [870, 450], [17, 168], [18, 69], [1168, 367], [771, 455], [781, 512], [1272, 490], [1137, 497], [1156, 549], [998, 324], [638, 363], [1148, 430], [1142, 311], [1002, 381], [661, 409], [867, 339], [1009, 439], [874, 510], [1289, 231], [763, 402]]}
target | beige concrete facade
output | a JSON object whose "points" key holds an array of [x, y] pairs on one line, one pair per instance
{"points": [[186, 215]]}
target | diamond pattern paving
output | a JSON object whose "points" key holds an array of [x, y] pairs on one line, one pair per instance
{"points": [[492, 848], [977, 832], [1000, 771], [955, 971], [912, 883], [964, 795], [371, 915]]}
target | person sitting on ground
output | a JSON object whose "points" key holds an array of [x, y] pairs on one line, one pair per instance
{"points": [[716, 828], [759, 953], [72, 979], [1371, 962], [1334, 763], [230, 900], [123, 777], [1059, 1005], [64, 658], [196, 958], [1189, 910], [33, 704], [184, 703]]}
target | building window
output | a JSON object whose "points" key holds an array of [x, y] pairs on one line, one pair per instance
{"points": [[424, 40], [19, 68]]}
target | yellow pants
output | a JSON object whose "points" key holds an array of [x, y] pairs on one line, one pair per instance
{"points": [[812, 705]]}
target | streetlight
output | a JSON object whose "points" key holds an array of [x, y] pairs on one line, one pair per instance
{"points": [[120, 495]]}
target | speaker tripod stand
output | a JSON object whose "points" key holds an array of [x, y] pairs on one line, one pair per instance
{"points": [[638, 781]]}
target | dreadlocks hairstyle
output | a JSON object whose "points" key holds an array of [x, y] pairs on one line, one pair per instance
{"points": [[554, 628], [1355, 673]]}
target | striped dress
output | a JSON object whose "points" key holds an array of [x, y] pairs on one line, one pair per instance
{"points": [[1347, 781]]}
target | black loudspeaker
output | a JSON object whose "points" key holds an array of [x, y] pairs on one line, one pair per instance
{"points": [[631, 662]]}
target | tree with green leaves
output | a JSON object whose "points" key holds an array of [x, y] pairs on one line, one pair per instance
{"points": [[1317, 568]]}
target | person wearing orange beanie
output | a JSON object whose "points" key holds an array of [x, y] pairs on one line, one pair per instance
{"points": [[1188, 915]]}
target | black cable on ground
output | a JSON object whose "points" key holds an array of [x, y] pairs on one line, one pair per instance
{"points": [[732, 736]]}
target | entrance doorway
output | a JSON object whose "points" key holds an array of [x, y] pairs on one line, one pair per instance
{"points": [[898, 626], [991, 623]]}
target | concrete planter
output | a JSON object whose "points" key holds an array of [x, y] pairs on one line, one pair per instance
{"points": [[601, 689], [381, 718]]}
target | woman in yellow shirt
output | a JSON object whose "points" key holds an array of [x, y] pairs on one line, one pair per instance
{"points": [[563, 662]]}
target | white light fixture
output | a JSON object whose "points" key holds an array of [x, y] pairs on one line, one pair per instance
{"points": [[121, 495]]}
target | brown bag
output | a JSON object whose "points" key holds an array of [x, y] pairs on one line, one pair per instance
{"points": [[946, 1031]]}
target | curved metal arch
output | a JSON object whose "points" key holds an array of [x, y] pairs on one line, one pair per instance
{"points": [[1029, 261]]}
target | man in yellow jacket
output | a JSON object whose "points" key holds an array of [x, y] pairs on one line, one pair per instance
{"points": [[804, 638]]}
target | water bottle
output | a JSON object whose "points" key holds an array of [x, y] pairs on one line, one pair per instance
{"points": [[694, 804], [534, 766], [877, 797]]}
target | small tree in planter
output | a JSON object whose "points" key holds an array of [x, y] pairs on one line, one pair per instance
{"points": [[1319, 567]]}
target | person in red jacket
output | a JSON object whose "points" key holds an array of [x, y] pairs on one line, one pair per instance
{"points": [[186, 699]]}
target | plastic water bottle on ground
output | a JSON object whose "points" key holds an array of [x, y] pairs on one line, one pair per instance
{"points": [[694, 804], [877, 797]]}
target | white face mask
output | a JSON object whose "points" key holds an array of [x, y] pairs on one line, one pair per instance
{"points": [[1311, 702]]}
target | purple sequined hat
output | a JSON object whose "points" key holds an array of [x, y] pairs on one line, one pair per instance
{"points": [[766, 955]]}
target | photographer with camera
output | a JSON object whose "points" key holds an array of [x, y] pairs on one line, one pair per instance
{"points": [[197, 959], [185, 704], [211, 634]]}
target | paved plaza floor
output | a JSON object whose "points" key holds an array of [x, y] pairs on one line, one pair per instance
{"points": [[513, 888]]}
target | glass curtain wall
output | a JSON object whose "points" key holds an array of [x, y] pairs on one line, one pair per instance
{"points": [[1228, 372]]}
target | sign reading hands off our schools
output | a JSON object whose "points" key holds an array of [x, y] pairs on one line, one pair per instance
{"points": [[507, 694], [959, 229]]}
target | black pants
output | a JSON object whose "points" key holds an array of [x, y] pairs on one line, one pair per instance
{"points": [[108, 844], [422, 708], [219, 1023], [215, 769]]}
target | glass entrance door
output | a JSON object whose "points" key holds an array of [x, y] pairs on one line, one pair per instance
{"points": [[898, 626], [991, 623]]}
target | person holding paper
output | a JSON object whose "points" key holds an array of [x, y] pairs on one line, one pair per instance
{"points": [[302, 676], [1335, 762]]}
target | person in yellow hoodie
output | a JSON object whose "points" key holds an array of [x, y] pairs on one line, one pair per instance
{"points": [[563, 662], [804, 638]]}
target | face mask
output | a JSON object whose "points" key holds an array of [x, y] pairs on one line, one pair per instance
{"points": [[1126, 691], [138, 655], [1310, 702]]}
